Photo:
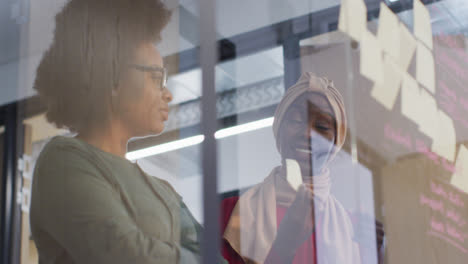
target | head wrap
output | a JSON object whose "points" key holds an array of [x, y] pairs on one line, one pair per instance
{"points": [[311, 83]]}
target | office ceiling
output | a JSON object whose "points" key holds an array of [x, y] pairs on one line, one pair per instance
{"points": [[26, 31]]}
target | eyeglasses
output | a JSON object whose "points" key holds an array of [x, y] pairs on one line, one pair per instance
{"points": [[153, 69]]}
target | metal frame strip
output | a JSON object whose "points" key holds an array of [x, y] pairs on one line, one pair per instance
{"points": [[208, 58]]}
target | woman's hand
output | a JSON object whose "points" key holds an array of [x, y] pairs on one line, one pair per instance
{"points": [[296, 226]]}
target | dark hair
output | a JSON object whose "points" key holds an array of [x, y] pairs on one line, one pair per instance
{"points": [[93, 41]]}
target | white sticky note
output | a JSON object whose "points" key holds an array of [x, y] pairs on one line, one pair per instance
{"points": [[425, 67], [460, 177], [386, 93], [445, 142], [427, 103], [422, 23], [353, 18], [407, 47], [388, 32], [371, 59], [342, 23], [409, 98], [293, 173]]}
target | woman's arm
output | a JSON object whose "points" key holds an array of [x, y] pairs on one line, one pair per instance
{"points": [[295, 228]]}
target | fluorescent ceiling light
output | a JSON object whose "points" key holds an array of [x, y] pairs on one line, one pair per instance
{"points": [[158, 149], [235, 130], [190, 141]]}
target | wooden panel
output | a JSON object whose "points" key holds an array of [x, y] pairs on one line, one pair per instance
{"points": [[41, 129], [28, 249]]}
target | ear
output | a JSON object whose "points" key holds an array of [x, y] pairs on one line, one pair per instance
{"points": [[115, 92], [115, 99], [115, 82]]}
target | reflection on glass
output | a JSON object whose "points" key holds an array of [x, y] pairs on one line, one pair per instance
{"points": [[406, 102], [292, 217]]}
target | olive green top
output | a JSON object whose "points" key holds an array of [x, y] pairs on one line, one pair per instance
{"points": [[90, 206]]}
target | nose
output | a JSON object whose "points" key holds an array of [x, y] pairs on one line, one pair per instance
{"points": [[310, 135], [315, 137], [309, 130], [167, 95]]}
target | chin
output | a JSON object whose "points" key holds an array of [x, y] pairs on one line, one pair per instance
{"points": [[152, 131], [155, 132], [155, 127], [158, 129]]}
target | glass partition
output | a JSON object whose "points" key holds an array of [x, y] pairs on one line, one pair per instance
{"points": [[363, 159], [309, 131]]}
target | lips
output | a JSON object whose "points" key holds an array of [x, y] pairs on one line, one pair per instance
{"points": [[308, 151], [165, 112], [304, 150], [302, 154]]}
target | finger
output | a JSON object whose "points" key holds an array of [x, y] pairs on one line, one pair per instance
{"points": [[303, 203], [378, 224], [306, 192]]}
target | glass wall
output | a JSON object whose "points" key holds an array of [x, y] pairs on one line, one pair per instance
{"points": [[283, 132]]}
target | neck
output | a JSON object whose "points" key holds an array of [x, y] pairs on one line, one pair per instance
{"points": [[112, 138], [311, 179]]}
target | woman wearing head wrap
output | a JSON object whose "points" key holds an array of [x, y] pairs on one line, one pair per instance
{"points": [[273, 222]]}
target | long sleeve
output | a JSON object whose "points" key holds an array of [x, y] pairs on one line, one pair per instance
{"points": [[81, 209]]}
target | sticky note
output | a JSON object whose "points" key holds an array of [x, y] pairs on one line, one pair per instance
{"points": [[342, 23], [371, 58], [409, 98], [425, 67], [388, 31], [386, 93], [445, 141], [427, 103], [293, 173], [422, 23], [353, 18], [460, 177], [407, 47]]}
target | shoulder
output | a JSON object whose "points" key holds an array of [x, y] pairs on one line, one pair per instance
{"points": [[60, 147], [64, 155]]}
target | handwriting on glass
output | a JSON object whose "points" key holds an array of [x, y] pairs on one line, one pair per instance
{"points": [[446, 222], [399, 137]]}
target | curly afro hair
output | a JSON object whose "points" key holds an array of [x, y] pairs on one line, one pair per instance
{"points": [[93, 42]]}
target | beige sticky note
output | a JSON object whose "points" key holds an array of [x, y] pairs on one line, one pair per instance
{"points": [[388, 32], [407, 47], [427, 103], [420, 106], [410, 98], [422, 23], [371, 58], [353, 18], [460, 177], [342, 23], [445, 142], [293, 173], [386, 93], [425, 67]]}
